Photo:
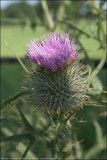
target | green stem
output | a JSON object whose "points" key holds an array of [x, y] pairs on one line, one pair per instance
{"points": [[50, 115], [57, 142], [76, 28], [60, 14], [104, 33], [98, 68], [48, 14]]}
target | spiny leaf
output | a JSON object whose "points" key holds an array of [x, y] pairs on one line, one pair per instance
{"points": [[28, 148], [17, 137], [65, 130], [52, 121], [21, 149], [7, 103], [25, 121], [71, 114]]}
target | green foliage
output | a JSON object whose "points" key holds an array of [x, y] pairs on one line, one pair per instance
{"points": [[7, 103], [73, 8], [100, 144], [65, 130], [97, 86], [17, 137], [20, 10], [26, 123], [28, 148], [8, 71], [13, 22]]}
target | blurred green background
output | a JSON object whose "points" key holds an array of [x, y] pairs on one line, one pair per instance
{"points": [[85, 21]]}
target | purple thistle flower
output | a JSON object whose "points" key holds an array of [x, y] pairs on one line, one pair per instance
{"points": [[53, 51]]}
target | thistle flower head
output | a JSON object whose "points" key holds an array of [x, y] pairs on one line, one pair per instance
{"points": [[53, 51], [63, 89]]}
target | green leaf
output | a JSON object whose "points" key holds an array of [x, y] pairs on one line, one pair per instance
{"points": [[97, 85], [71, 114], [65, 130], [64, 155], [17, 137], [21, 149], [87, 59], [102, 3], [78, 150], [25, 121], [53, 130], [99, 146], [28, 148], [7, 104], [95, 150], [99, 134], [52, 121]]}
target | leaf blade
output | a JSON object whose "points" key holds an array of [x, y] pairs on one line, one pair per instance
{"points": [[16, 137], [25, 121], [28, 148], [5, 105]]}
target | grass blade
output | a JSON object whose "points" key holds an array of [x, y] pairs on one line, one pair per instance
{"points": [[20, 61]]}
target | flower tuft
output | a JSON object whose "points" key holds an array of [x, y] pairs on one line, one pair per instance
{"points": [[53, 52]]}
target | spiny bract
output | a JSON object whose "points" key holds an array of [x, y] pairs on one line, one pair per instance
{"points": [[61, 90]]}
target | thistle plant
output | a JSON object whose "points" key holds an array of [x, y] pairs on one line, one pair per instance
{"points": [[56, 83], [57, 80]]}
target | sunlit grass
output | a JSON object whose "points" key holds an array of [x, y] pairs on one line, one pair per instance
{"points": [[18, 39]]}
